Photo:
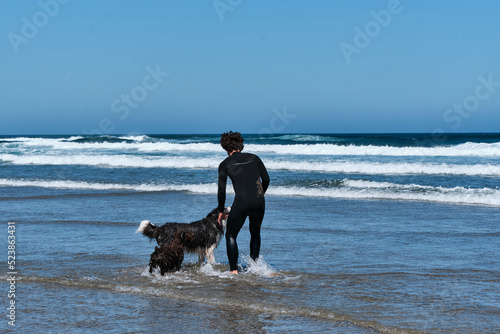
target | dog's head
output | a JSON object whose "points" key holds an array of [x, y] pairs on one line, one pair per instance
{"points": [[213, 216], [226, 212]]}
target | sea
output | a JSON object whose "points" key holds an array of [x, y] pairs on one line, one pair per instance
{"points": [[363, 233]]}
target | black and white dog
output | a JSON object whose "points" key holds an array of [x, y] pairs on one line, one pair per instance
{"points": [[207, 234]]}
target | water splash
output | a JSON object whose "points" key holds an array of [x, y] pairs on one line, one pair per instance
{"points": [[259, 267]]}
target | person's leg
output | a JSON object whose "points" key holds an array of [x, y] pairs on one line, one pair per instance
{"points": [[255, 219], [235, 222]]}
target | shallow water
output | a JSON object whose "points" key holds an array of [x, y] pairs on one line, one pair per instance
{"points": [[345, 266], [360, 253]]}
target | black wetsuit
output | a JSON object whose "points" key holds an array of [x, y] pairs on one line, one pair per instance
{"points": [[250, 181]]}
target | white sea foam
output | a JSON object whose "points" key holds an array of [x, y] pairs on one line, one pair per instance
{"points": [[74, 138], [112, 161], [138, 138], [376, 168], [67, 184], [306, 137], [168, 278], [139, 143], [390, 191], [353, 189], [259, 267], [349, 167], [208, 269], [132, 143], [466, 149]]}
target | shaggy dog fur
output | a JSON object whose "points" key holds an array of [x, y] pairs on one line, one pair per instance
{"points": [[170, 257], [207, 234]]}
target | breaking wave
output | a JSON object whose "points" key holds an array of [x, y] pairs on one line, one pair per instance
{"points": [[346, 188], [147, 144], [334, 166]]}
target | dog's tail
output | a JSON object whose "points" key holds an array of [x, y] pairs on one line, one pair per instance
{"points": [[148, 229]]}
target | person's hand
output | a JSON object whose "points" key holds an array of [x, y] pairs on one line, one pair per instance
{"points": [[222, 216]]}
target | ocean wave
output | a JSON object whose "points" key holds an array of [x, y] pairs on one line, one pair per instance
{"points": [[376, 168], [79, 141], [108, 139], [99, 139], [389, 191], [142, 143], [306, 138], [136, 138], [348, 167], [347, 189], [112, 161], [82, 185], [466, 149], [134, 143]]}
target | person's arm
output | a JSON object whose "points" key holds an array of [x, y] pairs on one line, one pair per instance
{"points": [[221, 192], [264, 176]]}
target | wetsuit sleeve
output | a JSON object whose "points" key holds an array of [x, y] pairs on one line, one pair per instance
{"points": [[264, 176], [221, 193]]}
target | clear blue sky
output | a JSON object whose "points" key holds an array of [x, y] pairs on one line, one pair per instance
{"points": [[159, 66]]}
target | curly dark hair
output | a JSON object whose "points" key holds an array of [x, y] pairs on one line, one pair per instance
{"points": [[231, 141]]}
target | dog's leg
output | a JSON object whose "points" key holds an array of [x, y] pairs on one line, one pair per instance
{"points": [[210, 254], [201, 257]]}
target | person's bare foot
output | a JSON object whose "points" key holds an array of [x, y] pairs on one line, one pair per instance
{"points": [[234, 272]]}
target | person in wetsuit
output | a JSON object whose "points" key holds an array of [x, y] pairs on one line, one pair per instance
{"points": [[250, 182]]}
